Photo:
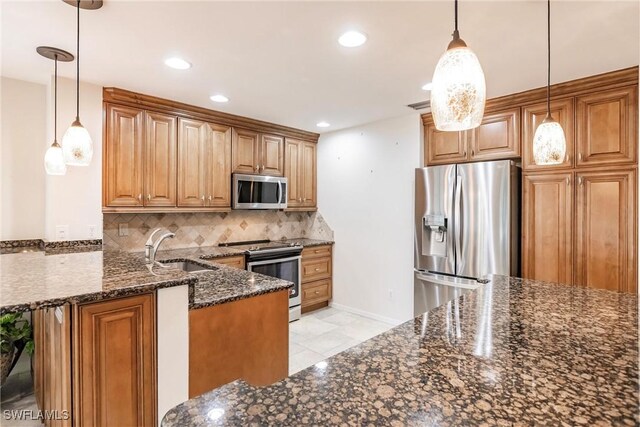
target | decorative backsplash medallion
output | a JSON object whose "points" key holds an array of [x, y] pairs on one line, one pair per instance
{"points": [[210, 229]]}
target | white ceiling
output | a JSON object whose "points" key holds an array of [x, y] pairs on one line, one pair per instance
{"points": [[280, 62]]}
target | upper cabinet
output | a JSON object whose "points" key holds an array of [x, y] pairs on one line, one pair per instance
{"points": [[300, 170], [160, 160], [606, 131], [497, 137], [255, 153], [562, 111]]}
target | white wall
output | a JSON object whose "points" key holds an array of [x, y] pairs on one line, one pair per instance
{"points": [[74, 199], [24, 141], [34, 203], [365, 193]]}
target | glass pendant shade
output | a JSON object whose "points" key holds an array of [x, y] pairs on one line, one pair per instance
{"points": [[54, 160], [549, 144], [77, 145], [459, 91]]}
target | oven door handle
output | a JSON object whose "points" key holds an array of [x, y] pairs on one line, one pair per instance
{"points": [[272, 261]]}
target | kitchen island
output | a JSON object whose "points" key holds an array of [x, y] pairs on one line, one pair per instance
{"points": [[512, 352]]}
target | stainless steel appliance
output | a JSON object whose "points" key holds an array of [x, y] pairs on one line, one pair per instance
{"points": [[259, 192], [276, 259], [466, 228]]}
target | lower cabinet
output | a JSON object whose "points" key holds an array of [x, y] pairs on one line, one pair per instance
{"points": [[231, 261], [246, 339], [114, 362], [317, 271]]}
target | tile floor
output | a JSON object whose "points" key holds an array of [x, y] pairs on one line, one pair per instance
{"points": [[323, 333]]}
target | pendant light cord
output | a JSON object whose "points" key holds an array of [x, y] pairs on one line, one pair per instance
{"points": [[455, 7], [78, 65], [548, 58], [55, 97]]}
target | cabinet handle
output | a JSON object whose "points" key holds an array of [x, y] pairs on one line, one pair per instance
{"points": [[464, 154], [202, 198], [149, 197], [566, 158], [580, 156], [568, 181], [140, 197], [262, 168], [210, 199], [317, 269], [316, 292], [473, 153], [579, 180], [257, 168]]}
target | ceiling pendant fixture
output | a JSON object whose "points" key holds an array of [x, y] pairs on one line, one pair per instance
{"points": [[54, 158], [549, 144], [76, 142], [459, 91]]}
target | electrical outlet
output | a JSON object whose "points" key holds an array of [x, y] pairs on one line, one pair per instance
{"points": [[93, 230], [62, 232], [123, 229]]}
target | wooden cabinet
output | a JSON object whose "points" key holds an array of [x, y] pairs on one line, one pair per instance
{"points": [[160, 160], [231, 261], [115, 362], [300, 170], [52, 363], [246, 339], [607, 127], [547, 213], [256, 153], [204, 169], [606, 229], [497, 137], [316, 289], [562, 110], [123, 151]]}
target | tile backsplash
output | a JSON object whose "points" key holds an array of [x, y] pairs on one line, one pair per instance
{"points": [[210, 229]]}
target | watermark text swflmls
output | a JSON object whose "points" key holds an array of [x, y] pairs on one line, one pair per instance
{"points": [[30, 414]]}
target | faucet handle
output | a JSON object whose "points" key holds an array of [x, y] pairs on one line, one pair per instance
{"points": [[150, 239]]}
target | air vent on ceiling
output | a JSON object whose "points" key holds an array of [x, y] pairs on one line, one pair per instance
{"points": [[420, 105]]}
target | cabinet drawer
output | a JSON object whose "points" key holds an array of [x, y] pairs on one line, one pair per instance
{"points": [[232, 261], [315, 292], [317, 252], [316, 268]]}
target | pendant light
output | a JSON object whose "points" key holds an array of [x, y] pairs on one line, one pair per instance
{"points": [[76, 142], [54, 158], [549, 144], [459, 91]]}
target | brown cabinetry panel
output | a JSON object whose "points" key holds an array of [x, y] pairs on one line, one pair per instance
{"points": [[160, 153], [316, 268], [562, 110], [115, 362], [607, 127], [547, 208], [191, 173], [245, 151], [316, 292], [271, 155], [606, 230], [316, 289], [232, 261], [444, 147], [308, 175], [247, 339], [217, 165], [123, 183], [497, 137], [300, 170]]}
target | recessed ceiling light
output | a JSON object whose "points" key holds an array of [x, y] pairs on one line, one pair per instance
{"points": [[427, 87], [177, 63], [219, 98], [352, 39], [323, 124]]}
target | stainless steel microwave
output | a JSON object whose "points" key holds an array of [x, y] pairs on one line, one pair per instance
{"points": [[259, 192]]}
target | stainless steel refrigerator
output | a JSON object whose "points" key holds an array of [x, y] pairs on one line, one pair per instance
{"points": [[467, 226]]}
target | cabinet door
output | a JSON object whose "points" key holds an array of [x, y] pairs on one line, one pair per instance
{"points": [[562, 111], [444, 147], [293, 172], [122, 171], [244, 151], [605, 232], [217, 165], [115, 362], [191, 175], [160, 160], [308, 175], [607, 127], [497, 137], [547, 206], [271, 155]]}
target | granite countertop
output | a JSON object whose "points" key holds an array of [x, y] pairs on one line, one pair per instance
{"points": [[32, 278], [513, 352]]}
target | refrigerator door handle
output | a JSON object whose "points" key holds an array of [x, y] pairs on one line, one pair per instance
{"points": [[457, 200], [455, 283]]}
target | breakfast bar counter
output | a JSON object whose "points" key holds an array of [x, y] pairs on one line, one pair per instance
{"points": [[512, 352]]}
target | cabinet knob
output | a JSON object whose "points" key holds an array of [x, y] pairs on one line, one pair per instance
{"points": [[317, 292], [317, 269]]}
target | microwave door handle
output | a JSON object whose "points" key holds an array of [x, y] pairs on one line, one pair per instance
{"points": [[279, 193]]}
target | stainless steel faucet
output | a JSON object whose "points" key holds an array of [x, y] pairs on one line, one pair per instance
{"points": [[151, 248]]}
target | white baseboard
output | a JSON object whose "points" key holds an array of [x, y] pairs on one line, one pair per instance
{"points": [[384, 319]]}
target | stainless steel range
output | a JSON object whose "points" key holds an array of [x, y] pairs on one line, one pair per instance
{"points": [[275, 259]]}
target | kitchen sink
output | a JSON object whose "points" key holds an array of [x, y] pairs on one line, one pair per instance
{"points": [[188, 266]]}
